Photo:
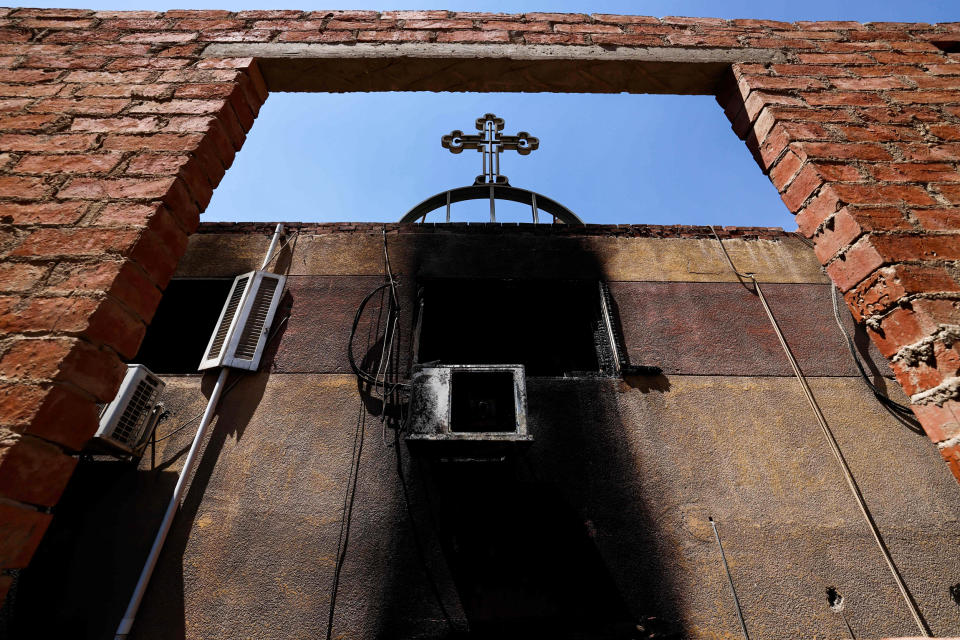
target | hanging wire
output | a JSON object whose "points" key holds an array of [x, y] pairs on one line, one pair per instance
{"points": [[901, 409], [834, 446]]}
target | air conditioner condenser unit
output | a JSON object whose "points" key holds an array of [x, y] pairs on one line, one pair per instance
{"points": [[241, 332], [128, 418], [469, 410]]}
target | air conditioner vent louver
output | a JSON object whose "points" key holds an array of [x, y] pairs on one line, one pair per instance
{"points": [[253, 328], [135, 416], [226, 319], [125, 420], [241, 332]]}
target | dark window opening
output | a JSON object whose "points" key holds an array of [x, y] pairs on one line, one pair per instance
{"points": [[553, 328], [181, 328], [482, 401]]}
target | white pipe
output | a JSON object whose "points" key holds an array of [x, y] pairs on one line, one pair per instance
{"points": [[172, 508], [131, 613], [273, 245]]}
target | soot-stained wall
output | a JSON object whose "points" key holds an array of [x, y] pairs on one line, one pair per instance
{"points": [[599, 530]]}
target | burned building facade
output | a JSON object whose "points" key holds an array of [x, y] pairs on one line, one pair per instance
{"points": [[661, 415]]}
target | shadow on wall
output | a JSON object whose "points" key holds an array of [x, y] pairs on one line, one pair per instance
{"points": [[550, 544]]}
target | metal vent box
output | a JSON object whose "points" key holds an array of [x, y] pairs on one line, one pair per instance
{"points": [[468, 409], [126, 420]]}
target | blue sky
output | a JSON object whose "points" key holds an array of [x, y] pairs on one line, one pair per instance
{"points": [[610, 158]]}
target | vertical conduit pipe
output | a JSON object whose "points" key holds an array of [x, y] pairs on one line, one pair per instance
{"points": [[123, 630]]}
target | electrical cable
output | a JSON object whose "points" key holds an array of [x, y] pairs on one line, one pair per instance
{"points": [[346, 515], [834, 446], [885, 400], [277, 251]]}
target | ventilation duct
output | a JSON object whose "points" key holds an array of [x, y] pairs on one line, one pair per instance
{"points": [[128, 418], [241, 332]]}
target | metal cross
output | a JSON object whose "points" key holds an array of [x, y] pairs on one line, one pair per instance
{"points": [[491, 144]]}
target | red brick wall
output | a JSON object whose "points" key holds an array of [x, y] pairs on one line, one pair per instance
{"points": [[114, 131]]}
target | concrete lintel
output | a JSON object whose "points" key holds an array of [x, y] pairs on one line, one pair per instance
{"points": [[486, 67]]}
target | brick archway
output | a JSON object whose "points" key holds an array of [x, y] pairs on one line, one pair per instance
{"points": [[117, 126]]}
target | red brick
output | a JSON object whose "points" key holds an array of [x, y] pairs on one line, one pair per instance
{"points": [[808, 181], [219, 24], [949, 191], [20, 187], [915, 172], [946, 131], [943, 364], [824, 205], [75, 242], [882, 194], [111, 50], [159, 37], [126, 214], [108, 77], [28, 122], [151, 91], [15, 276], [63, 62], [893, 57], [21, 529], [877, 133], [888, 286], [626, 40], [24, 90], [434, 25], [127, 64], [123, 280], [52, 13], [87, 106], [33, 471], [936, 82], [949, 152], [154, 142], [70, 163], [939, 422], [99, 188], [117, 125], [703, 40], [836, 98], [202, 14], [938, 219], [474, 36], [856, 264], [42, 213], [370, 25], [317, 36], [844, 151], [808, 70], [556, 17], [912, 322], [900, 114], [784, 171], [28, 75], [290, 25], [269, 14], [43, 23], [925, 97], [67, 360], [515, 25], [868, 84], [586, 28], [395, 36], [834, 58], [247, 35]]}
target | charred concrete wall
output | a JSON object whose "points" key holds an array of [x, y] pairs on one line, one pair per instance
{"points": [[599, 530]]}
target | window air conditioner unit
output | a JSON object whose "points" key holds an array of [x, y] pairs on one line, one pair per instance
{"points": [[127, 419], [241, 331], [468, 410]]}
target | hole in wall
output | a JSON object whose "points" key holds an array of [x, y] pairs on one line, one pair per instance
{"points": [[955, 593], [609, 158], [834, 599]]}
